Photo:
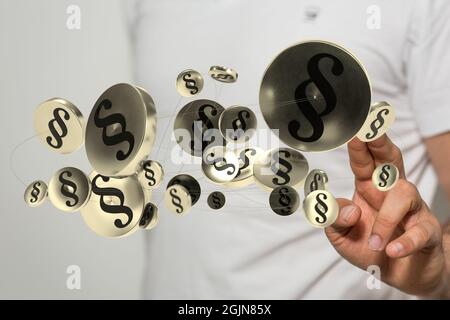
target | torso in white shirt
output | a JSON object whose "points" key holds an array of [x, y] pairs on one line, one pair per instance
{"points": [[245, 250]]}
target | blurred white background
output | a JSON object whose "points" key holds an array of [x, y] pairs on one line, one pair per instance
{"points": [[41, 58]]}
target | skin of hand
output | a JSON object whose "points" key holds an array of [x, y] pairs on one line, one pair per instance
{"points": [[394, 230]]}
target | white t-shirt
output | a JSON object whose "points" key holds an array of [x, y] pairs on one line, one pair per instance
{"points": [[245, 250]]}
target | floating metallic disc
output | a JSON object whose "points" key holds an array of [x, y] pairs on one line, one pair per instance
{"points": [[284, 200], [116, 205], [196, 126], [69, 189], [378, 122], [189, 83], [190, 183], [220, 165], [150, 174], [316, 179], [223, 74], [149, 217], [280, 167], [59, 125], [321, 209], [246, 157], [121, 130], [216, 200], [385, 176], [237, 124], [36, 193], [317, 94], [177, 199]]}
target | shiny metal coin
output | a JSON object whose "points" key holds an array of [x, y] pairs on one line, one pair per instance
{"points": [[121, 130], [317, 94], [36, 193], [378, 122], [150, 174], [59, 125], [149, 217], [223, 74], [116, 205], [216, 200], [385, 176], [316, 179], [190, 183], [196, 126], [280, 167], [284, 200], [189, 83], [237, 124], [321, 209], [247, 157], [69, 189], [177, 199], [220, 165]]}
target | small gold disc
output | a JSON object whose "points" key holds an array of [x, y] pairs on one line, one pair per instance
{"points": [[189, 83], [385, 176], [151, 174], [284, 200], [321, 209], [59, 125], [316, 179], [223, 74], [280, 167], [69, 189], [219, 164], [380, 119], [237, 124], [36, 193], [177, 199]]}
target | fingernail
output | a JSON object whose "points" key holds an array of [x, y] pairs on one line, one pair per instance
{"points": [[347, 212], [398, 247], [375, 242]]}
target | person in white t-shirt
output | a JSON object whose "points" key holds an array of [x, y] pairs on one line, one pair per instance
{"points": [[247, 252]]}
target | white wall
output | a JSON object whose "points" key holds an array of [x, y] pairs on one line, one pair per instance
{"points": [[39, 59]]}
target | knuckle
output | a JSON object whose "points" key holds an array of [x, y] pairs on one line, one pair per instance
{"points": [[385, 222], [406, 189], [422, 235]]}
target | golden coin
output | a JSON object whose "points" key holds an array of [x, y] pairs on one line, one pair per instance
{"points": [[284, 200], [246, 157], [223, 74], [59, 125], [189, 83], [151, 174], [116, 205], [237, 124], [196, 126], [219, 164], [316, 94], [190, 183], [378, 122], [149, 217], [69, 189], [280, 167], [121, 130], [216, 200], [316, 179], [385, 176], [177, 199], [321, 209], [36, 193]]}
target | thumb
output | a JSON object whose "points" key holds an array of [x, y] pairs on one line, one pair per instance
{"points": [[349, 215]]}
